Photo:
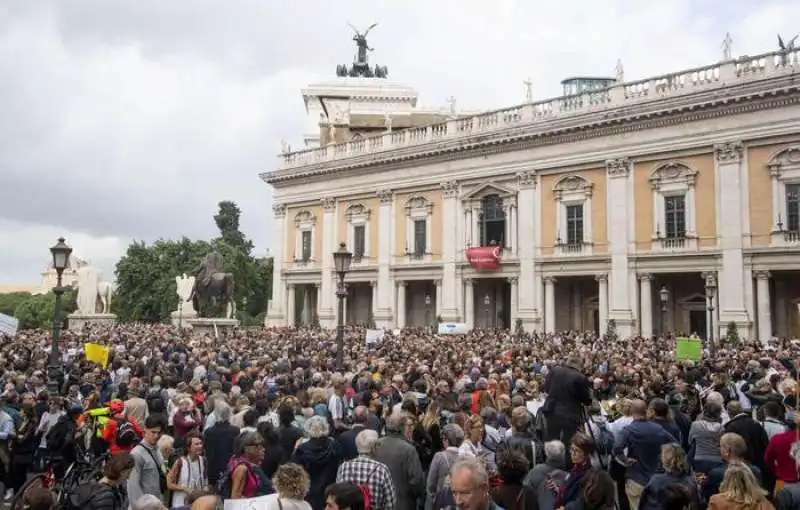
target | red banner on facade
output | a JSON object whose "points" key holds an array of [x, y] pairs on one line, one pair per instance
{"points": [[485, 257]]}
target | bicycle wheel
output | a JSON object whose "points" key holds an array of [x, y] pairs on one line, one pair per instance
{"points": [[18, 501]]}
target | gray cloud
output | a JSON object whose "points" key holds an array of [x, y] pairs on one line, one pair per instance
{"points": [[133, 118]]}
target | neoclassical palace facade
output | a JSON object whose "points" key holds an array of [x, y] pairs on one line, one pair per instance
{"points": [[619, 203]]}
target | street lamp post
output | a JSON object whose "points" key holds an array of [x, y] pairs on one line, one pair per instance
{"points": [[486, 302], [61, 253], [711, 292], [341, 263], [663, 295], [428, 310]]}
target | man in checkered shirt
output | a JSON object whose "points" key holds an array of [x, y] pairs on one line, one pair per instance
{"points": [[364, 470]]}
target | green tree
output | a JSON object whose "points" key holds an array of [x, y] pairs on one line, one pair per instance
{"points": [[11, 300], [732, 334], [36, 312], [146, 278], [252, 276], [227, 220]]}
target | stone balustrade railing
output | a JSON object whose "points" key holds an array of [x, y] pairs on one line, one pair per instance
{"points": [[689, 81]]}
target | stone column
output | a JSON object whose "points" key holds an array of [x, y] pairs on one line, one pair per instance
{"points": [[514, 232], [306, 313], [619, 207], [526, 250], [449, 249], [507, 224], [275, 315], [400, 309], [469, 302], [730, 199], [549, 304], [646, 293], [602, 301], [319, 301], [385, 291], [327, 313], [764, 309], [291, 316], [513, 306], [374, 299], [437, 304]]}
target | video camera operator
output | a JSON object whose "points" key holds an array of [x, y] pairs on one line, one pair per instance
{"points": [[568, 390]]}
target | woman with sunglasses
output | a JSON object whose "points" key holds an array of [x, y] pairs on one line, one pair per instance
{"points": [[247, 478]]}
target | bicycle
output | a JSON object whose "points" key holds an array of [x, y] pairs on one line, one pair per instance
{"points": [[84, 469]]}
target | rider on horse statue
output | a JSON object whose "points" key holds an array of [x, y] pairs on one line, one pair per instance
{"points": [[211, 264]]}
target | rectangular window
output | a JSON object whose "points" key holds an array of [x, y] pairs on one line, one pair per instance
{"points": [[575, 224], [359, 241], [420, 237], [793, 207], [306, 245], [675, 216]]}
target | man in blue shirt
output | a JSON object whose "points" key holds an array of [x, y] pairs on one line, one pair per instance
{"points": [[642, 440]]}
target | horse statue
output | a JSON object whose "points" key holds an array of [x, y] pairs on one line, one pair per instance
{"points": [[212, 286], [105, 291]]}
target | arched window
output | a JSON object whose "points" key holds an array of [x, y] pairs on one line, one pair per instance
{"points": [[492, 221]]}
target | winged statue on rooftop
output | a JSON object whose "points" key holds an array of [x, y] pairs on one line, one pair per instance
{"points": [[361, 42]]}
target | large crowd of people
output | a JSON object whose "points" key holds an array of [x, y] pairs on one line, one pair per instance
{"points": [[490, 420]]}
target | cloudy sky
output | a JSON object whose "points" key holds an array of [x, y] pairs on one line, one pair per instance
{"points": [[131, 119]]}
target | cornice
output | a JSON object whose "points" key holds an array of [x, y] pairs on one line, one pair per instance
{"points": [[756, 96]]}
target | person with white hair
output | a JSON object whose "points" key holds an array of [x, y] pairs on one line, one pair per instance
{"points": [[364, 470], [553, 468], [320, 455], [148, 502]]}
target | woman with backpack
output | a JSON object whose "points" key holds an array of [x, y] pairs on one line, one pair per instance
{"points": [[105, 494], [189, 474], [121, 433]]}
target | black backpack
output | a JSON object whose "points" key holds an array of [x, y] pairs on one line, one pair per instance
{"points": [[126, 434]]}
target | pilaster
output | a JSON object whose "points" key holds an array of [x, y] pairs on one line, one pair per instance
{"points": [[275, 315], [469, 302], [327, 314], [618, 173], [384, 291], [401, 304], [526, 251], [513, 305], [731, 203], [449, 250]]}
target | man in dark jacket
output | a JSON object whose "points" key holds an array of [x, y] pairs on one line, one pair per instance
{"points": [[347, 439], [522, 438], [401, 457], [219, 440], [754, 435], [567, 392]]}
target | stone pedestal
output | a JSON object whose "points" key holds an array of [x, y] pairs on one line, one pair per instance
{"points": [[77, 321], [180, 318], [211, 326]]}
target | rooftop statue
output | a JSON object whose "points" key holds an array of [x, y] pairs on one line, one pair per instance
{"points": [[360, 67]]}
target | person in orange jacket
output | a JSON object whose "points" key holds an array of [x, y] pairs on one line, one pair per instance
{"points": [[120, 432]]}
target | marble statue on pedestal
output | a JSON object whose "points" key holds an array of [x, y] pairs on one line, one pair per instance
{"points": [[93, 300]]}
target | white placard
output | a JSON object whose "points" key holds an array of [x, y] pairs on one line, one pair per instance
{"points": [[453, 328], [247, 503], [8, 325], [374, 336]]}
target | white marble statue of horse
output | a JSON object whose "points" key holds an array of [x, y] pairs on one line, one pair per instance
{"points": [[105, 291]]}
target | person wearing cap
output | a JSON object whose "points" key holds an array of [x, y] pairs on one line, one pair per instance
{"points": [[116, 416]]}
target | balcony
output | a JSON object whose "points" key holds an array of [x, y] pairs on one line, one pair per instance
{"points": [[682, 243], [534, 114], [302, 262], [573, 249], [782, 237]]}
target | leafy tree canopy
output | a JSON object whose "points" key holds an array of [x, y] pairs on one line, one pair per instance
{"points": [[36, 312], [11, 300]]}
